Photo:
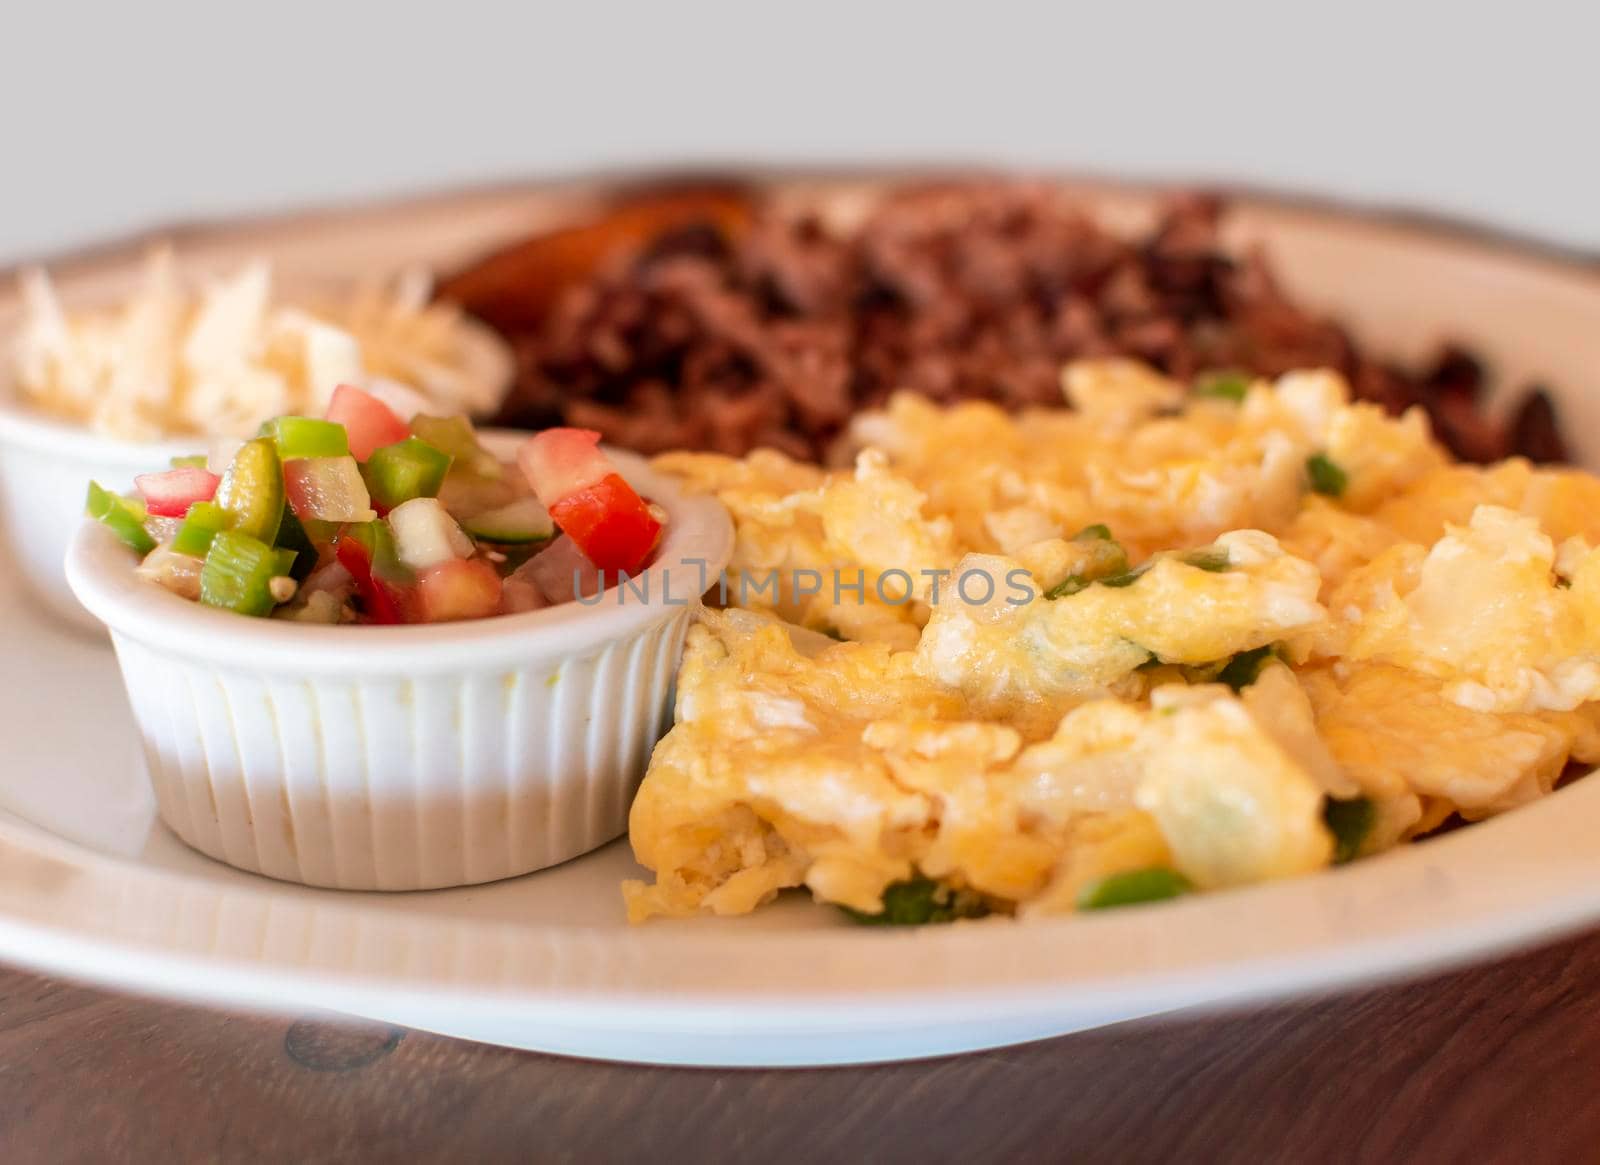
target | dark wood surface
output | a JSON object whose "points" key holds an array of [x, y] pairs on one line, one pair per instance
{"points": [[1498, 1063]]}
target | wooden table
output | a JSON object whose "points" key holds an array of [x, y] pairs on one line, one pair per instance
{"points": [[1497, 1063]]}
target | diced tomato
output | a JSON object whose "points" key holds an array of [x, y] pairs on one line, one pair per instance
{"points": [[610, 523], [462, 588], [558, 462], [368, 422], [588, 498], [170, 494], [381, 602]]}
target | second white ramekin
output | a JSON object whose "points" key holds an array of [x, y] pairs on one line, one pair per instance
{"points": [[45, 469], [404, 758]]}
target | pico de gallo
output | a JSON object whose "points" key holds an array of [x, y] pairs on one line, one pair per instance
{"points": [[360, 516]]}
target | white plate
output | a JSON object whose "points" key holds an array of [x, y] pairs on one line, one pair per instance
{"points": [[92, 887]]}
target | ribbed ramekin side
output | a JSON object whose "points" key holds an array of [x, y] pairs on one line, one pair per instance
{"points": [[391, 783]]}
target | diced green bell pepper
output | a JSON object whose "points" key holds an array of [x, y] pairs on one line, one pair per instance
{"points": [[252, 490], [238, 573], [1127, 578], [405, 470], [125, 519], [1241, 671], [1230, 386], [1133, 886], [918, 901], [1067, 587], [1112, 563], [319, 532], [1212, 559], [308, 437], [200, 525], [1327, 477], [1349, 822], [456, 436]]}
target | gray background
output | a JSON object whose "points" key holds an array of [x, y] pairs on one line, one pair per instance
{"points": [[119, 118]]}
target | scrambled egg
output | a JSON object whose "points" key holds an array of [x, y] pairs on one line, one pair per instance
{"points": [[1227, 639]]}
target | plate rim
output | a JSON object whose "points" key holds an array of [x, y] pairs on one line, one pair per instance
{"points": [[32, 854]]}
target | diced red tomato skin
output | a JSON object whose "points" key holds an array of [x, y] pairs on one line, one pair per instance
{"points": [[610, 523], [379, 601], [588, 498], [559, 462], [170, 494], [298, 489], [368, 422], [464, 588]]}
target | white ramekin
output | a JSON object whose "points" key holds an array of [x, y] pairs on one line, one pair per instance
{"points": [[404, 758]]}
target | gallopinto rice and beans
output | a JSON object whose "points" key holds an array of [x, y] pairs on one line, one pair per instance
{"points": [[704, 318]]}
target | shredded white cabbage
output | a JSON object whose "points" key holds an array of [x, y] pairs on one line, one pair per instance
{"points": [[220, 358]]}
